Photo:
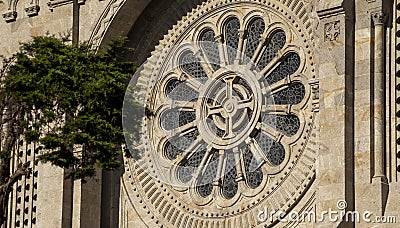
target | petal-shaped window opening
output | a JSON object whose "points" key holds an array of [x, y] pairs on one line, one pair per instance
{"points": [[255, 30], [254, 175], [191, 65], [180, 91], [287, 124], [178, 145], [231, 34], [229, 184], [205, 183], [173, 118], [294, 94], [274, 151], [287, 67], [276, 42], [210, 48], [190, 165]]}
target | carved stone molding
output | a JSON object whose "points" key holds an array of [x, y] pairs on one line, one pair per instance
{"points": [[105, 19], [57, 3], [11, 13], [330, 8], [332, 31], [31, 10], [219, 39], [315, 94]]}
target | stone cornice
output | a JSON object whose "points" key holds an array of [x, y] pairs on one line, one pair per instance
{"points": [[56, 3], [327, 8], [331, 12]]}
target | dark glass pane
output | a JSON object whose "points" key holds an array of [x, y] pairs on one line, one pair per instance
{"points": [[274, 151], [287, 124], [255, 30], [189, 166], [210, 47], [287, 67], [177, 90], [254, 175], [229, 184], [205, 182], [178, 145], [192, 66], [276, 43], [232, 37], [173, 118], [294, 94]]}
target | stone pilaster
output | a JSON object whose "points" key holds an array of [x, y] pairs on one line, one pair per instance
{"points": [[378, 19], [335, 54], [380, 185], [370, 150]]}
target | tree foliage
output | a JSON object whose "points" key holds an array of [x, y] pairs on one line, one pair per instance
{"points": [[68, 99]]}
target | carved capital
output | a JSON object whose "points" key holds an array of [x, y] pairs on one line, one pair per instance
{"points": [[379, 18], [219, 38], [32, 10], [199, 53], [263, 38], [242, 33], [10, 16]]}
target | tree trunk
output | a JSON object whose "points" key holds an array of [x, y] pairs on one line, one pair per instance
{"points": [[6, 188], [10, 134]]}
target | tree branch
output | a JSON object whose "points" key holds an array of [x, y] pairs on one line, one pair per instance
{"points": [[6, 188]]}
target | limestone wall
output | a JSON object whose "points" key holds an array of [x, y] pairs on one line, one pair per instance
{"points": [[357, 135], [41, 199]]}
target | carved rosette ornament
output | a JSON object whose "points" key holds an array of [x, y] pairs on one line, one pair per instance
{"points": [[332, 31], [230, 96]]}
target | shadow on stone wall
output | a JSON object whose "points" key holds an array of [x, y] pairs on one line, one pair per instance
{"points": [[154, 22]]}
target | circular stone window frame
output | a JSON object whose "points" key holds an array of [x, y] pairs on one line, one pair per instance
{"points": [[296, 147]]}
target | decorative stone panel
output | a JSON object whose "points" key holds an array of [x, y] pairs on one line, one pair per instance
{"points": [[332, 31]]}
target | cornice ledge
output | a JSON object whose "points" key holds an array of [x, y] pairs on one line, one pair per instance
{"points": [[57, 3], [327, 8]]}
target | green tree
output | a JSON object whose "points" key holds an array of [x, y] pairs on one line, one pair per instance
{"points": [[62, 97]]}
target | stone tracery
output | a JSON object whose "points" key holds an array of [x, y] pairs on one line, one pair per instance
{"points": [[214, 161], [231, 108]]}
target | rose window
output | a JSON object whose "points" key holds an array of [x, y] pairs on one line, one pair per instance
{"points": [[230, 112], [228, 106]]}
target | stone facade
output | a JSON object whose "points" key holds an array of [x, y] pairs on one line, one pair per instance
{"points": [[342, 156]]}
